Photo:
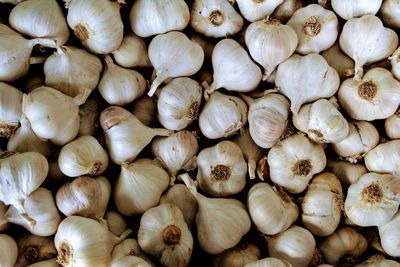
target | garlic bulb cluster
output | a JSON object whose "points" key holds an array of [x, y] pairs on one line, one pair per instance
{"points": [[115, 222], [256, 10], [392, 125], [269, 262], [384, 158], [389, 235], [389, 11], [32, 249], [9, 250], [10, 109], [337, 59], [348, 9], [347, 172], [132, 52], [238, 256]]}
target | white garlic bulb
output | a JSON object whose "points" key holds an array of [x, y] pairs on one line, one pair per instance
{"points": [[384, 158], [284, 11], [233, 68], [378, 261], [10, 109], [128, 248], [342, 63], [348, 9], [296, 245], [360, 34], [149, 18], [97, 24], [269, 262], [256, 10], [72, 70], [164, 233], [132, 52], [238, 256], [395, 63], [270, 43], [33, 248], [145, 109], [271, 219], [215, 18], [347, 172], [178, 103], [305, 79], [115, 222], [293, 162], [139, 186], [89, 114], [9, 251], [125, 135], [222, 116], [373, 199], [173, 55], [392, 125], [389, 11], [221, 169], [389, 235], [40, 18]]}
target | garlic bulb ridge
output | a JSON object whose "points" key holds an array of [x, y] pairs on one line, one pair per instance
{"points": [[10, 109]]}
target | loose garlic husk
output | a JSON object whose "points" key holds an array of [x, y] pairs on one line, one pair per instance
{"points": [[322, 122], [322, 205], [305, 79], [97, 24], [269, 262], [360, 34], [270, 43], [296, 245], [221, 169], [145, 109], [343, 64], [132, 52], [178, 103], [347, 172], [139, 186], [348, 9], [378, 261], [3, 220], [89, 113], [362, 137], [389, 234], [10, 109], [32, 249], [293, 162], [115, 222], [72, 70], [215, 18], [389, 11], [373, 199], [220, 222], [128, 248], [8, 251], [40, 18], [392, 125], [222, 116], [149, 18], [343, 243], [45, 263], [164, 233], [376, 96], [284, 11], [384, 158], [256, 10], [125, 135], [238, 256], [271, 219]]}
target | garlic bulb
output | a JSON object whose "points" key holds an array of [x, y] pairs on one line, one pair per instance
{"points": [[132, 52], [389, 11], [284, 11], [145, 109], [89, 114], [271, 219], [362, 137], [8, 251], [322, 122], [343, 64], [233, 68], [128, 248], [215, 18], [270, 42], [72, 70], [139, 186], [238, 256], [389, 234], [348, 173], [10, 109], [269, 262], [40, 18], [222, 116], [384, 158], [296, 245], [164, 233], [45, 263], [208, 45], [41, 211], [115, 222], [3, 220], [345, 242], [378, 261], [293, 162], [392, 125], [305, 79], [256, 10], [360, 34], [178, 103], [97, 24], [395, 63], [149, 18], [220, 222], [348, 9], [129, 261], [32, 248], [221, 169], [125, 135]]}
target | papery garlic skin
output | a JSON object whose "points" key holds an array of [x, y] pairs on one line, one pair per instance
{"points": [[392, 126], [256, 10], [389, 11], [10, 109], [149, 18], [9, 250], [348, 9], [238, 256], [342, 63], [269, 262], [347, 172], [389, 235], [32, 249], [293, 162], [384, 158], [132, 52]]}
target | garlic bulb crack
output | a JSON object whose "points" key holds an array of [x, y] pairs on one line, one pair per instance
{"points": [[10, 109]]}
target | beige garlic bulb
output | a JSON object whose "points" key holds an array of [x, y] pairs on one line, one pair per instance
{"points": [[164, 233], [215, 18], [9, 251], [3, 220], [363, 136], [384, 158], [132, 52], [373, 199], [178, 103], [293, 162], [40, 18], [256, 10], [89, 113], [72, 70], [115, 222], [395, 63], [360, 34], [45, 263], [284, 11], [322, 122], [145, 109], [347, 172], [97, 24], [238, 256], [10, 109], [220, 222], [389, 235], [128, 248], [139, 186], [172, 55], [343, 243], [295, 245], [149, 18], [337, 59], [269, 262], [392, 125], [389, 11], [221, 169], [305, 79], [125, 135], [271, 219], [378, 261], [32, 249], [222, 116], [270, 43], [348, 9]]}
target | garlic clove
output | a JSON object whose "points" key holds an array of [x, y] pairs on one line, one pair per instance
{"points": [[337, 59], [240, 255], [32, 249], [10, 109], [256, 10], [9, 250], [132, 52], [348, 9], [269, 262], [389, 235], [384, 158], [389, 11]]}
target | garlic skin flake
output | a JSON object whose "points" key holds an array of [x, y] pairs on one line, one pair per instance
{"points": [[384, 158], [256, 10], [10, 109], [132, 52], [389, 235], [8, 251], [348, 9]]}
